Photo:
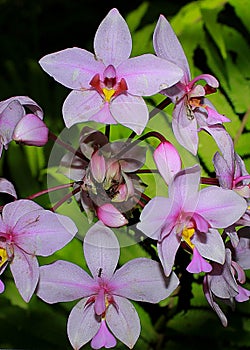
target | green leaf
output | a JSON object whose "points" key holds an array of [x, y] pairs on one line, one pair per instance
{"points": [[242, 10], [134, 18]]}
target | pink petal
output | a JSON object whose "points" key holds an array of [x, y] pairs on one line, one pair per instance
{"points": [[2, 287], [111, 216], [73, 67], [25, 101], [103, 115], [98, 167], [82, 324], [80, 106], [167, 45], [103, 338], [168, 160], [210, 80], [64, 281], [142, 279], [9, 118], [123, 321], [7, 187], [243, 295], [147, 74], [101, 250], [31, 130], [198, 264], [25, 271], [167, 249], [124, 108], [112, 42]]}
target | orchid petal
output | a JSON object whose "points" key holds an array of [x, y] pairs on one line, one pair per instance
{"points": [[153, 216], [243, 295], [184, 128], [111, 216], [124, 321], [64, 281], [25, 101], [198, 264], [124, 108], [82, 324], [103, 338], [73, 67], [31, 130], [98, 167], [168, 160], [167, 45], [242, 251], [7, 187], [220, 207], [223, 173], [2, 287], [148, 74], [25, 271], [167, 249], [210, 80], [112, 42], [80, 106], [101, 250], [104, 115], [143, 279], [43, 232], [9, 118], [210, 245]]}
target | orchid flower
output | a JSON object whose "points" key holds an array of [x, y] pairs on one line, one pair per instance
{"points": [[27, 230], [104, 311], [108, 85], [192, 110], [17, 125], [109, 186], [191, 218]]}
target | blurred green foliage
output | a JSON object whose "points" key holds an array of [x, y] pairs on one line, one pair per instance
{"points": [[215, 37]]}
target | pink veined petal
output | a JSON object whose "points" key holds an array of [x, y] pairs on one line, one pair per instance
{"points": [[31, 130], [82, 324], [123, 321], [112, 42], [64, 281], [25, 101], [103, 115], [223, 172], [167, 45], [7, 187], [148, 74], [143, 279], [185, 130], [13, 211], [101, 250], [98, 167], [168, 160], [43, 232], [198, 264], [111, 216], [210, 245], [213, 117], [9, 118], [153, 216], [80, 106], [73, 67], [220, 207], [130, 111], [210, 80], [167, 249], [100, 306], [25, 271], [103, 338]]}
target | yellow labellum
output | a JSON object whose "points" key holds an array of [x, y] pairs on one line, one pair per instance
{"points": [[108, 93], [187, 233], [3, 256]]}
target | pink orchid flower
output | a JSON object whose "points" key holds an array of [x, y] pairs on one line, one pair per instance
{"points": [[108, 85], [104, 311]]}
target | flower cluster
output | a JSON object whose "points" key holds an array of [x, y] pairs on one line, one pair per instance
{"points": [[207, 218]]}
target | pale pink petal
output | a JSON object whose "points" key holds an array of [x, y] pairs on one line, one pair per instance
{"points": [[130, 111], [168, 160], [7, 187], [112, 42], [100, 305], [98, 167], [103, 338], [124, 321], [220, 207], [101, 250], [73, 67], [9, 118], [167, 249], [42, 232], [143, 279], [2, 287], [80, 106], [198, 264], [244, 294], [111, 216], [64, 281], [103, 115], [25, 101], [25, 271], [209, 79], [82, 324], [31, 130], [148, 74], [167, 45]]}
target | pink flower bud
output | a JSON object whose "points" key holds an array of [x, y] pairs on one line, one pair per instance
{"points": [[31, 131]]}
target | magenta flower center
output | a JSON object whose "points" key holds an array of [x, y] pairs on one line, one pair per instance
{"points": [[109, 86]]}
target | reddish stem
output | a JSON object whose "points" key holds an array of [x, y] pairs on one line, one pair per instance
{"points": [[65, 198], [51, 189], [65, 145]]}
